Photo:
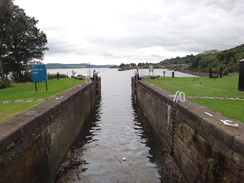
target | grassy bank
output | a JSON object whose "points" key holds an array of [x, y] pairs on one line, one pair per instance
{"points": [[204, 86], [27, 91]]}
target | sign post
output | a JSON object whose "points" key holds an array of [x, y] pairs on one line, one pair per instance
{"points": [[151, 69], [164, 72], [39, 74]]}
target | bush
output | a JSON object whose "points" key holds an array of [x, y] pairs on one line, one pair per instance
{"points": [[4, 84], [26, 77], [54, 76]]}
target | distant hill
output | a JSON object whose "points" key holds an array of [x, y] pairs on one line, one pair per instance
{"points": [[227, 60], [74, 66]]}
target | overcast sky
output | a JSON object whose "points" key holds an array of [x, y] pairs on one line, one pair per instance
{"points": [[126, 31]]}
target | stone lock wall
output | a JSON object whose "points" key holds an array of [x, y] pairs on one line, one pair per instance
{"points": [[204, 149], [33, 145]]}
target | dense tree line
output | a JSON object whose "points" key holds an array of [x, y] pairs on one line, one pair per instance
{"points": [[127, 65], [20, 42], [140, 65], [227, 60]]}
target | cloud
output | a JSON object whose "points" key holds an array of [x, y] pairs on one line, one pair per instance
{"points": [[112, 31]]}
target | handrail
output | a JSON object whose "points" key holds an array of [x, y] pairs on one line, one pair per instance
{"points": [[179, 96]]}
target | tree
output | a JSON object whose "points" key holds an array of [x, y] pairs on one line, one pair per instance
{"points": [[21, 43], [122, 65], [4, 5]]}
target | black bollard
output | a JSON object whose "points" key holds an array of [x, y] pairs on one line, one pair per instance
{"points": [[210, 72], [58, 76], [241, 76], [221, 72]]}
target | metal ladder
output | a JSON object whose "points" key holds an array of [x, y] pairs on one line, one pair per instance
{"points": [[179, 96]]}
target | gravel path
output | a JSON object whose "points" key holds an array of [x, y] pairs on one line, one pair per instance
{"points": [[39, 100], [27, 100], [228, 98]]}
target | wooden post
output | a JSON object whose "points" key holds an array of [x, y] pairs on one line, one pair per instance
{"points": [[35, 86], [46, 86], [241, 76]]}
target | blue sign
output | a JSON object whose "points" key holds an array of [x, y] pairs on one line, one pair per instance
{"points": [[39, 73]]}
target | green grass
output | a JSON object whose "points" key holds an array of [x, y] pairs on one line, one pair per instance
{"points": [[230, 108], [27, 91], [9, 110], [203, 86]]}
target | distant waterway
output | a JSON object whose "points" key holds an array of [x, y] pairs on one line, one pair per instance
{"points": [[142, 72], [117, 144]]}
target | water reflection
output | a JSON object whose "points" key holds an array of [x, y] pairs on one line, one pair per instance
{"points": [[89, 130]]}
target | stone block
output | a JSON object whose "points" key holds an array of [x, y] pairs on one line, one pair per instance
{"points": [[238, 144], [239, 160]]}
